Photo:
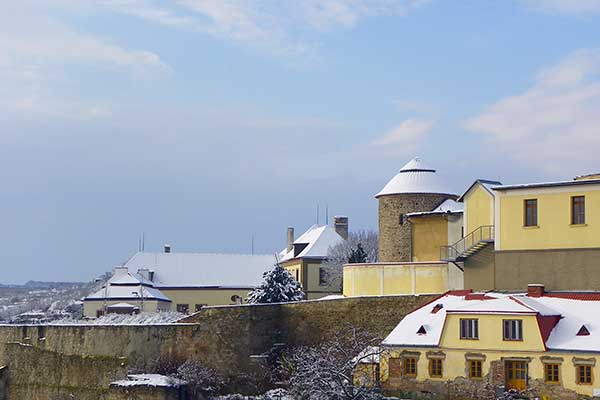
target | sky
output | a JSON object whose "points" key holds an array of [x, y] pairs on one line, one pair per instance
{"points": [[206, 123]]}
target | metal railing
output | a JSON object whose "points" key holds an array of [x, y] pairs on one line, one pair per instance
{"points": [[484, 233]]}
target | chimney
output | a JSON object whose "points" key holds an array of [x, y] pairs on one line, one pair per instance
{"points": [[341, 226], [535, 290], [290, 239], [167, 248], [120, 270]]}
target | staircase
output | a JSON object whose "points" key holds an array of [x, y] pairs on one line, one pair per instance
{"points": [[469, 245]]}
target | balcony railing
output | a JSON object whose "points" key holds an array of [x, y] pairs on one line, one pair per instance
{"points": [[468, 245]]}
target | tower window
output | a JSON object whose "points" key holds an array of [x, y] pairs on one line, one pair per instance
{"points": [[401, 219]]}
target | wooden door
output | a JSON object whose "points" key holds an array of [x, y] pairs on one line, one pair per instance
{"points": [[516, 375]]}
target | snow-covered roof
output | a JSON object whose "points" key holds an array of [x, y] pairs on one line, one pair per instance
{"points": [[449, 206], [122, 305], [576, 182], [130, 292], [566, 313], [318, 239], [487, 185], [202, 269], [121, 276], [415, 177]]}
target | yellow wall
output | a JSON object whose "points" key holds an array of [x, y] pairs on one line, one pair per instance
{"points": [[294, 267], [479, 208], [208, 296], [554, 229], [395, 278], [490, 333], [454, 365], [308, 272], [90, 307], [429, 233]]}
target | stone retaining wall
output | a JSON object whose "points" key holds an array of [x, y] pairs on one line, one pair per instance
{"points": [[223, 338]]}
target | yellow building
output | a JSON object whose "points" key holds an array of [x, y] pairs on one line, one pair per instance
{"points": [[543, 232], [303, 257], [426, 273], [183, 282], [470, 345]]}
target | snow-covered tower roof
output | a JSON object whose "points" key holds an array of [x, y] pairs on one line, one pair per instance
{"points": [[415, 177]]}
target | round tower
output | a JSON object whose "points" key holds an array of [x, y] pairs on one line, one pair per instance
{"points": [[415, 188]]}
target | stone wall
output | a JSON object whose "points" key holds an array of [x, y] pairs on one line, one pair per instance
{"points": [[220, 337], [35, 373], [394, 236]]}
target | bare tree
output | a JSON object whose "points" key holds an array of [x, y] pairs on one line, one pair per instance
{"points": [[325, 371], [341, 253]]}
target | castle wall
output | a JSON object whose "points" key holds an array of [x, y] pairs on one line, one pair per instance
{"points": [[394, 234], [222, 337]]}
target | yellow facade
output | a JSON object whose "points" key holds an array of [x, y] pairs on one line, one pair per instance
{"points": [[395, 278], [429, 233], [479, 208], [490, 337], [91, 307], [554, 229], [455, 365], [490, 347], [308, 273], [203, 297]]}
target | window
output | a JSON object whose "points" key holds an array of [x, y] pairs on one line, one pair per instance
{"points": [[297, 275], [531, 214], [469, 329], [513, 329], [410, 366], [584, 374], [578, 210], [183, 308], [322, 277], [551, 374], [474, 368], [435, 368], [198, 307]]}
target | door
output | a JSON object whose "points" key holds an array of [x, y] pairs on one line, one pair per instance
{"points": [[516, 375]]}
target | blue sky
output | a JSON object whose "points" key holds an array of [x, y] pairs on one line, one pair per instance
{"points": [[204, 122]]}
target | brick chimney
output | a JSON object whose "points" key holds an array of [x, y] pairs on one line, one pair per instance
{"points": [[341, 226], [290, 238], [535, 290]]}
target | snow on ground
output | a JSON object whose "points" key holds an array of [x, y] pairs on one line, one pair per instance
{"points": [[153, 380]]}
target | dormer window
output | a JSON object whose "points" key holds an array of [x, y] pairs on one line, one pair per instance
{"points": [[583, 331], [299, 248], [437, 308], [422, 330]]}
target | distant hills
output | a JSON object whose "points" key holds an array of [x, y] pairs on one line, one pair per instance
{"points": [[45, 285]]}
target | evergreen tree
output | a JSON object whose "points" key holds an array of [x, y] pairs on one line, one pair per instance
{"points": [[358, 255], [278, 286]]}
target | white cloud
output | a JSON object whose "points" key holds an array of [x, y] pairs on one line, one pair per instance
{"points": [[268, 26], [36, 52], [574, 7], [404, 138], [554, 124]]}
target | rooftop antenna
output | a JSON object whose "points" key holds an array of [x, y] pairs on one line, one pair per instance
{"points": [[317, 214], [143, 241], [327, 214], [252, 251]]}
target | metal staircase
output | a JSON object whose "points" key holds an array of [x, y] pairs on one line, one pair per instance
{"points": [[469, 245]]}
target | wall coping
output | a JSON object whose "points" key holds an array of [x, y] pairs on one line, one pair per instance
{"points": [[399, 264]]}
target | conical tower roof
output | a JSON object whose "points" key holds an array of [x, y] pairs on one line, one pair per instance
{"points": [[415, 177]]}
